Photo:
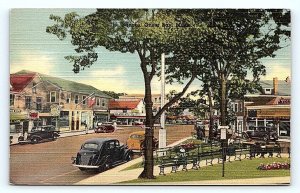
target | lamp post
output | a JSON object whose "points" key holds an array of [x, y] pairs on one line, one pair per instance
{"points": [[162, 131]]}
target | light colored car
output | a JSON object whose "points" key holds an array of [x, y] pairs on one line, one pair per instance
{"points": [[136, 139]]}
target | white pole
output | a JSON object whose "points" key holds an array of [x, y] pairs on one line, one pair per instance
{"points": [[162, 131]]}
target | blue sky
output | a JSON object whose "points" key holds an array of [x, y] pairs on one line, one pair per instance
{"points": [[31, 48]]}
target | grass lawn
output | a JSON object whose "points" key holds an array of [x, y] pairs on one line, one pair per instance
{"points": [[234, 170]]}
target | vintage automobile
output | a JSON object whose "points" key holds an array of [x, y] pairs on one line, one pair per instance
{"points": [[106, 127], [41, 133], [100, 154], [264, 133], [136, 139]]}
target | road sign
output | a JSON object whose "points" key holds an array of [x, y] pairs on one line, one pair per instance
{"points": [[223, 130]]}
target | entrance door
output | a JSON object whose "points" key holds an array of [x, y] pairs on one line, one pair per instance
{"points": [[25, 126]]}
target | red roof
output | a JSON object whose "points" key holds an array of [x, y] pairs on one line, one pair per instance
{"points": [[123, 104], [20, 81]]}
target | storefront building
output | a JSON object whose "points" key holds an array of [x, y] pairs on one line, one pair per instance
{"points": [[44, 100]]}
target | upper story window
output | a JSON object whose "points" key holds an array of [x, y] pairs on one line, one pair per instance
{"points": [[98, 102], [76, 99], [38, 103], [84, 100], [12, 99], [53, 96], [268, 90], [103, 103], [236, 107], [27, 102], [68, 100], [34, 88]]}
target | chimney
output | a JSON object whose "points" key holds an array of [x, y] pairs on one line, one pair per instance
{"points": [[275, 86]]}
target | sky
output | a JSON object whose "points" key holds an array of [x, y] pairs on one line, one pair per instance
{"points": [[31, 48]]}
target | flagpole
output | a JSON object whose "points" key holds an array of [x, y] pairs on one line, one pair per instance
{"points": [[162, 132]]}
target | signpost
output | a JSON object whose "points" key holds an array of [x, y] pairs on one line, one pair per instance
{"points": [[223, 130]]}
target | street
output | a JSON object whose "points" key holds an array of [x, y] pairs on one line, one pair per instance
{"points": [[49, 163]]}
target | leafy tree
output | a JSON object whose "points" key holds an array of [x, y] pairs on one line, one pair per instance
{"points": [[140, 31], [114, 94], [239, 39]]}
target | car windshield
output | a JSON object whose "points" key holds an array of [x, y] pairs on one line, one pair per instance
{"points": [[92, 146]]}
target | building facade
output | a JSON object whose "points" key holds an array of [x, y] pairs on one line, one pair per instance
{"points": [[268, 107], [37, 99], [127, 111]]}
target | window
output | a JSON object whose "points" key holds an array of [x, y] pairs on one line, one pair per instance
{"points": [[241, 107], [124, 111], [68, 100], [98, 102], [12, 100], [236, 105], [268, 90], [52, 96], [103, 103], [64, 119], [27, 102], [38, 103], [76, 99], [34, 88], [84, 100]]}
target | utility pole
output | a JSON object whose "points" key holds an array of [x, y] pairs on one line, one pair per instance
{"points": [[162, 130]]}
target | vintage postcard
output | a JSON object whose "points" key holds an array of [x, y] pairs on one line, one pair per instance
{"points": [[150, 96]]}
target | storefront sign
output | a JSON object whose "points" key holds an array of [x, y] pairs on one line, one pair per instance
{"points": [[54, 110], [284, 101], [33, 115]]}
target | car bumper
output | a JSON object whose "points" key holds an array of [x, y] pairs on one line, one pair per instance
{"points": [[86, 166]]}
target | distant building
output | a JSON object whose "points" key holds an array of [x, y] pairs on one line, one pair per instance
{"points": [[37, 99], [267, 107], [127, 111]]}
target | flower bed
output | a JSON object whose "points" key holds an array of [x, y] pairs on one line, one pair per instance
{"points": [[274, 166]]}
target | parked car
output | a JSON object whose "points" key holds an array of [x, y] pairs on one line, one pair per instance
{"points": [[106, 127], [38, 134], [135, 142], [101, 154], [264, 133]]}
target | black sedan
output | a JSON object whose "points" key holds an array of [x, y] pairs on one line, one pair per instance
{"points": [[101, 154], [264, 133]]}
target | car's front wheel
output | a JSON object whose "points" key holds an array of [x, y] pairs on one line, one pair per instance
{"points": [[128, 158], [35, 140], [245, 136]]}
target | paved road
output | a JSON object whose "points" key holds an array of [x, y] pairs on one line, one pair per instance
{"points": [[50, 162]]}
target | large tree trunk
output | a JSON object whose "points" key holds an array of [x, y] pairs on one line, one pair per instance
{"points": [[149, 132]]}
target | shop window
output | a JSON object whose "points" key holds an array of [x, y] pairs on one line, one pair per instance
{"points": [[64, 119], [52, 96], [27, 102], [38, 103], [12, 100], [76, 99]]}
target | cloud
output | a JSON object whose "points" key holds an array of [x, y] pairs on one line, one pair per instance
{"points": [[277, 70], [36, 62], [109, 79]]}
